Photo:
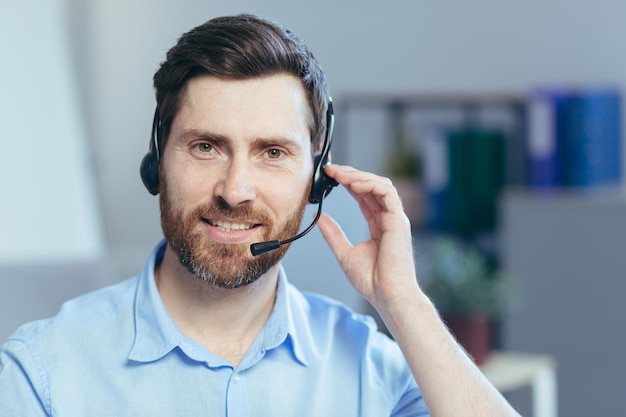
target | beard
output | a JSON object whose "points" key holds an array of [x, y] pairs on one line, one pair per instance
{"points": [[222, 265]]}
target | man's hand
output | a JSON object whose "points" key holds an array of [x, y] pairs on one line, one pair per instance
{"points": [[381, 268]]}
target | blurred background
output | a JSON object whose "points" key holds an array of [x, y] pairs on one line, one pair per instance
{"points": [[507, 115]]}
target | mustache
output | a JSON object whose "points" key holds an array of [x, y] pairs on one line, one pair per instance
{"points": [[221, 209]]}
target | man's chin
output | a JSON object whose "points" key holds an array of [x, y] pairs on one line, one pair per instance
{"points": [[229, 266], [231, 285]]}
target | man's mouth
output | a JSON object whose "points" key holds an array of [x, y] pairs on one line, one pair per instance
{"points": [[230, 226]]}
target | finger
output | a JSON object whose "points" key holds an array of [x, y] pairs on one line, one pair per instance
{"points": [[378, 192], [375, 194], [360, 181]]}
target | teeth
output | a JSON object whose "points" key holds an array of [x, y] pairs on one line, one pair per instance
{"points": [[230, 226]]}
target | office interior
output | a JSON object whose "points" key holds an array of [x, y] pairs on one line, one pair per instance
{"points": [[77, 111]]}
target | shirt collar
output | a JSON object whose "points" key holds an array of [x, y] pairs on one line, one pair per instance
{"points": [[282, 327], [156, 333]]}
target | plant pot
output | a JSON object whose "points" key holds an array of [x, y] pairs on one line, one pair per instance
{"points": [[473, 332]]}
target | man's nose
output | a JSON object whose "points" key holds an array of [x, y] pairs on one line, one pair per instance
{"points": [[237, 183]]}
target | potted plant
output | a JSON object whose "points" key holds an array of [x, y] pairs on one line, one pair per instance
{"points": [[404, 166], [469, 294]]}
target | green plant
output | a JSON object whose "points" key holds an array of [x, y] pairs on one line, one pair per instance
{"points": [[461, 281], [403, 161]]}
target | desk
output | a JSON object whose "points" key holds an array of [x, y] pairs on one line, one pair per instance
{"points": [[508, 371]]}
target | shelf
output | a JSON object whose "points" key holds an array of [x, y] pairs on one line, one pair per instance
{"points": [[430, 100], [509, 371]]}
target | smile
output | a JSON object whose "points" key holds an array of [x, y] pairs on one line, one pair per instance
{"points": [[230, 226]]}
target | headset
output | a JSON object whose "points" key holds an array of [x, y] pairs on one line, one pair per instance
{"points": [[321, 184], [149, 169]]}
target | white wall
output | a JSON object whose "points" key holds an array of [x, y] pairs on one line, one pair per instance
{"points": [[51, 241], [49, 209]]}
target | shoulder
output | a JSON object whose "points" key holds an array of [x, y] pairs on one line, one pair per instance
{"points": [[41, 352], [352, 342], [88, 311], [322, 310], [327, 316]]}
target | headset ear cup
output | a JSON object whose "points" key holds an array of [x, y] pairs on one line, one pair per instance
{"points": [[149, 168], [322, 183], [317, 184], [149, 171]]}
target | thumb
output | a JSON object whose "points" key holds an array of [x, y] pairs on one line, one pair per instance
{"points": [[334, 236]]}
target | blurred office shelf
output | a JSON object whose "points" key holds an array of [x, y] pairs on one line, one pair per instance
{"points": [[509, 371]]}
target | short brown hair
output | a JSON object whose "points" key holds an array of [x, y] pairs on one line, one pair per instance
{"points": [[239, 47]]}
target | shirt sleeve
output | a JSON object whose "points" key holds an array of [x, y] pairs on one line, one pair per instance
{"points": [[391, 374], [20, 382], [411, 405]]}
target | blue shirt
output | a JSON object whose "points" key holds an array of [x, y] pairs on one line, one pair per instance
{"points": [[117, 352]]}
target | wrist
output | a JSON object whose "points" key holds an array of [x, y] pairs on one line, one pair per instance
{"points": [[406, 309]]}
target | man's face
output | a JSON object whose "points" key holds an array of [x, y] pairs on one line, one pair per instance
{"points": [[236, 170]]}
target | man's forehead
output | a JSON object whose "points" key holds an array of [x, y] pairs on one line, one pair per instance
{"points": [[277, 104]]}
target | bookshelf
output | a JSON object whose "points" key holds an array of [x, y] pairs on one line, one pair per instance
{"points": [[366, 135], [504, 110]]}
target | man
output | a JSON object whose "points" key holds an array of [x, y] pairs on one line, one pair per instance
{"points": [[242, 122]]}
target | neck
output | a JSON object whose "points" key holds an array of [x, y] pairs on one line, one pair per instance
{"points": [[226, 321]]}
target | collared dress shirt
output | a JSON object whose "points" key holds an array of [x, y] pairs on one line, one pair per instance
{"points": [[117, 352]]}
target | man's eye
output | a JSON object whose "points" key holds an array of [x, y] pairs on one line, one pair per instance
{"points": [[204, 147], [274, 153]]}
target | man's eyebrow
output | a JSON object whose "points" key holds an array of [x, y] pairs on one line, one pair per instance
{"points": [[258, 141], [202, 134], [276, 140]]}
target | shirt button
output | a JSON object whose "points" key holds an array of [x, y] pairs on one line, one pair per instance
{"points": [[235, 378]]}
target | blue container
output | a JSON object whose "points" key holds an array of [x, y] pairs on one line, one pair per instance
{"points": [[574, 138]]}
